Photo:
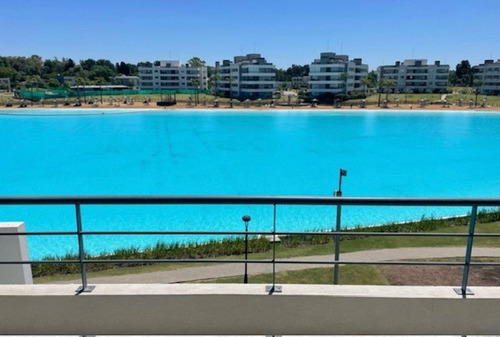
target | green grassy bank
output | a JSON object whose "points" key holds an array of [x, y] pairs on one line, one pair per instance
{"points": [[290, 246]]}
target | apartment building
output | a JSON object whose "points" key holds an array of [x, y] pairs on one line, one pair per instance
{"points": [[335, 74], [246, 77], [416, 76], [172, 75], [488, 76]]}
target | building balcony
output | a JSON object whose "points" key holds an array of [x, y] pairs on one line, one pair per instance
{"points": [[269, 308]]}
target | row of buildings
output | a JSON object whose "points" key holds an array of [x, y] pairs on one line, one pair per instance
{"points": [[252, 77]]}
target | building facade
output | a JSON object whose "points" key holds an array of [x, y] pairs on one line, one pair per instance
{"points": [[415, 76], [488, 77], [172, 75], [246, 77], [335, 74], [133, 82], [300, 81]]}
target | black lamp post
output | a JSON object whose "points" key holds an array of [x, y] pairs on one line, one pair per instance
{"points": [[246, 219], [338, 193]]}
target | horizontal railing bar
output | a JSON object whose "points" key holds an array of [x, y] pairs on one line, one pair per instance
{"points": [[245, 200], [240, 261], [373, 234], [251, 233], [486, 235], [37, 233], [484, 264], [41, 262], [271, 233], [423, 263]]}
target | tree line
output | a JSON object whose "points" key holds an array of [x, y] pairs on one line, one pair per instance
{"points": [[34, 71]]}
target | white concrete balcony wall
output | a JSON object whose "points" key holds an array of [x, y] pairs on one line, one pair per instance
{"points": [[14, 248], [237, 309]]}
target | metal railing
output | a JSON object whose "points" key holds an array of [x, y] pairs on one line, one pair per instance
{"points": [[273, 201]]}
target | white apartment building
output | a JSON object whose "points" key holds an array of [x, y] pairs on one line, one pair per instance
{"points": [[489, 75], [335, 74], [172, 75], [247, 77], [416, 76]]}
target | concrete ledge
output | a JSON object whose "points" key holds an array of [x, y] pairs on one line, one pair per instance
{"points": [[222, 309]]}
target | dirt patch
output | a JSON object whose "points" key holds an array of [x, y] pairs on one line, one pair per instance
{"points": [[441, 275]]}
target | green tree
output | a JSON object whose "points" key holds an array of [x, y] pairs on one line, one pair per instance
{"points": [[477, 85], [7, 72], [53, 83], [281, 75], [34, 65], [213, 81], [372, 77], [343, 78], [87, 64], [196, 62], [366, 82], [465, 73], [144, 64], [101, 71], [34, 81], [195, 82], [452, 78], [69, 64], [296, 71], [384, 83], [123, 68]]}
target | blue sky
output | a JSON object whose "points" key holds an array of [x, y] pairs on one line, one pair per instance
{"points": [[285, 32]]}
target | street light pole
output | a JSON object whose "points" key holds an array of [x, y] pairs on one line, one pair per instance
{"points": [[246, 220], [338, 193]]}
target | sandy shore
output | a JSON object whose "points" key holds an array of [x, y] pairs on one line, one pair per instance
{"points": [[225, 107]]}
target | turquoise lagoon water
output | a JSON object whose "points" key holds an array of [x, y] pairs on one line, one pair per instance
{"points": [[120, 152]]}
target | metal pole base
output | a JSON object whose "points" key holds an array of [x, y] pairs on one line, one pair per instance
{"points": [[274, 289], [87, 289], [467, 291]]}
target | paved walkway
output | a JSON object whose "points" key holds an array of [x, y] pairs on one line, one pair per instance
{"points": [[235, 269]]}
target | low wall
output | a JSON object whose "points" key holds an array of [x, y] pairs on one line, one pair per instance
{"points": [[14, 248], [229, 309]]}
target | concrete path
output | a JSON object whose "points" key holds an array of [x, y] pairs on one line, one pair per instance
{"points": [[234, 269]]}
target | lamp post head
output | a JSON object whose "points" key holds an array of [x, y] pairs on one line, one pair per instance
{"points": [[246, 218]]}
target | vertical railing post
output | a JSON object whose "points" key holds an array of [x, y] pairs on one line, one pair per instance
{"points": [[274, 246], [468, 253], [342, 173], [81, 252], [271, 289], [337, 242]]}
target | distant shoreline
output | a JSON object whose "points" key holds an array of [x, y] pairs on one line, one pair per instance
{"points": [[224, 107]]}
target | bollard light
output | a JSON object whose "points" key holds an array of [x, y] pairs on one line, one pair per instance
{"points": [[246, 219]]}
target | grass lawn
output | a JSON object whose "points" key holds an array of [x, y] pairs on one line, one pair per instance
{"points": [[351, 274], [414, 99], [354, 275]]}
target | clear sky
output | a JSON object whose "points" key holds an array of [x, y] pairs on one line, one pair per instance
{"points": [[285, 32]]}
